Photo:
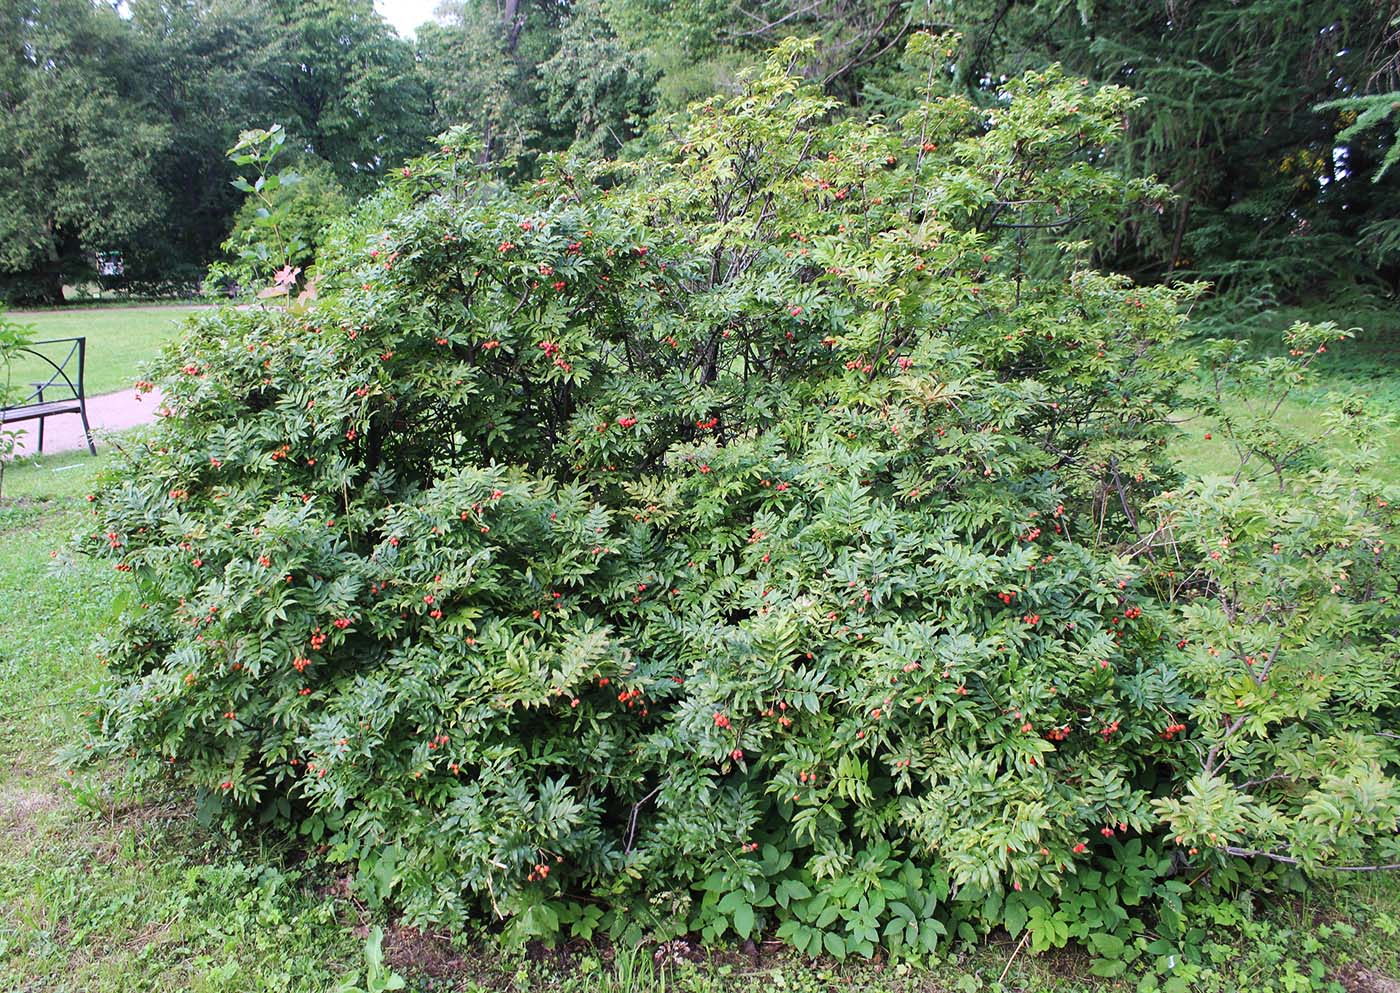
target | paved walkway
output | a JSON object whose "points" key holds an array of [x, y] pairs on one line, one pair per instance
{"points": [[107, 413]]}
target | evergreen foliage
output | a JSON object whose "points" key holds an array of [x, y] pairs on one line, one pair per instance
{"points": [[1269, 190]]}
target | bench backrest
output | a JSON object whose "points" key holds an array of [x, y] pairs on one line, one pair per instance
{"points": [[62, 363]]}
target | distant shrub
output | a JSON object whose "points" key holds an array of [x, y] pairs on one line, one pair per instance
{"points": [[282, 223], [743, 540]]}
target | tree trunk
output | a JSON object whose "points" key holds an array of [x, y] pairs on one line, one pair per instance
{"points": [[1183, 208], [52, 280], [513, 22]]}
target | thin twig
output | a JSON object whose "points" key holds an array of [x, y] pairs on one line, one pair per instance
{"points": [[632, 823], [1275, 856], [47, 706], [1209, 766], [1021, 944]]}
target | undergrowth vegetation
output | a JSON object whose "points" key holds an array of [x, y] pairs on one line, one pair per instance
{"points": [[779, 535]]}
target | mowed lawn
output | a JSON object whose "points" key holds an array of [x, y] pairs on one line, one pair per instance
{"points": [[1367, 368], [119, 340], [1217, 456]]}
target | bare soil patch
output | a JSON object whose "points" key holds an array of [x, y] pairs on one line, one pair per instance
{"points": [[1359, 979]]}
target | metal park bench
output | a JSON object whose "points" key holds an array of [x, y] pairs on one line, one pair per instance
{"points": [[66, 357]]}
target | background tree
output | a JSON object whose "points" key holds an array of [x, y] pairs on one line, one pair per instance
{"points": [[698, 46], [344, 85], [1270, 199], [115, 127], [481, 58], [200, 59], [1380, 235], [596, 90], [80, 139]]}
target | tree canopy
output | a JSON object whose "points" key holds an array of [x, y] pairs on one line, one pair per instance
{"points": [[82, 137], [1259, 117]]}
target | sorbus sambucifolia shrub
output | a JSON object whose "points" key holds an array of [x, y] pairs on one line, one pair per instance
{"points": [[776, 532]]}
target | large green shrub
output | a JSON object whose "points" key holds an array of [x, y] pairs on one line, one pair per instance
{"points": [[780, 533]]}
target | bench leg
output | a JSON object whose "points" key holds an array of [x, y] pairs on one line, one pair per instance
{"points": [[87, 431], [39, 390]]}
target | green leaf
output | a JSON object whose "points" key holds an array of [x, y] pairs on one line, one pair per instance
{"points": [[1108, 946], [1014, 917], [743, 920], [732, 901]]}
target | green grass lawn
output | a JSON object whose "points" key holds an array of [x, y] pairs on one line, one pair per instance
{"points": [[119, 339], [1204, 457], [1367, 367]]}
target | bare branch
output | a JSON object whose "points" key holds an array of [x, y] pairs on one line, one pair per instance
{"points": [[632, 823], [1209, 765], [1275, 856]]}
